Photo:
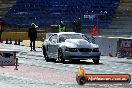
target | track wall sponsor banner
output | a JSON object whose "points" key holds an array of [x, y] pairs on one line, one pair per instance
{"points": [[82, 77], [103, 78], [125, 48]]}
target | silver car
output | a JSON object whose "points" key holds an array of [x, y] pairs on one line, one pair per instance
{"points": [[70, 46]]}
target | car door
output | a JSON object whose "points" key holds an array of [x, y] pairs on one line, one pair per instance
{"points": [[53, 46]]}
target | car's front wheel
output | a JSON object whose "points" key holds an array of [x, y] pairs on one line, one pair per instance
{"points": [[60, 56], [96, 61]]}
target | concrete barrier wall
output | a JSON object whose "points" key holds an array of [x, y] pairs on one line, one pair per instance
{"points": [[115, 46], [104, 45]]}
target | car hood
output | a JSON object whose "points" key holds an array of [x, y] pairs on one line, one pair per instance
{"points": [[79, 43]]}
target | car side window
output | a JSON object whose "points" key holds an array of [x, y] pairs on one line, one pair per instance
{"points": [[53, 38], [62, 38]]}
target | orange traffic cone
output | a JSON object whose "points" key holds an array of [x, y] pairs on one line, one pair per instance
{"points": [[81, 76], [81, 71]]}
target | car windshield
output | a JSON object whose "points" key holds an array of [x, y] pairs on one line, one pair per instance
{"points": [[63, 37]]}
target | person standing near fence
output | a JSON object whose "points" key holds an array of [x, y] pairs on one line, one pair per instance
{"points": [[32, 34], [61, 27]]}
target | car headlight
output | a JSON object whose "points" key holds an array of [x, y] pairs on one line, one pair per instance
{"points": [[71, 49]]}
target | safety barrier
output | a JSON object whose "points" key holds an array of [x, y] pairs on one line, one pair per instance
{"points": [[115, 46], [108, 45]]}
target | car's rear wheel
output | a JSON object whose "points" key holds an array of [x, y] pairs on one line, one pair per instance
{"points": [[96, 61], [47, 59], [60, 56]]}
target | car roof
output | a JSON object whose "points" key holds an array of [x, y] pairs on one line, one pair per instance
{"points": [[60, 33]]}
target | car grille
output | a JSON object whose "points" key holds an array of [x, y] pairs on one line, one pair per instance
{"points": [[85, 50], [88, 50]]}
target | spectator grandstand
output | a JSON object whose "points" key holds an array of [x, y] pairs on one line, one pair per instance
{"points": [[122, 20]]}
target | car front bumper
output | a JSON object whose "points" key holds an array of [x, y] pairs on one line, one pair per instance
{"points": [[81, 55]]}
